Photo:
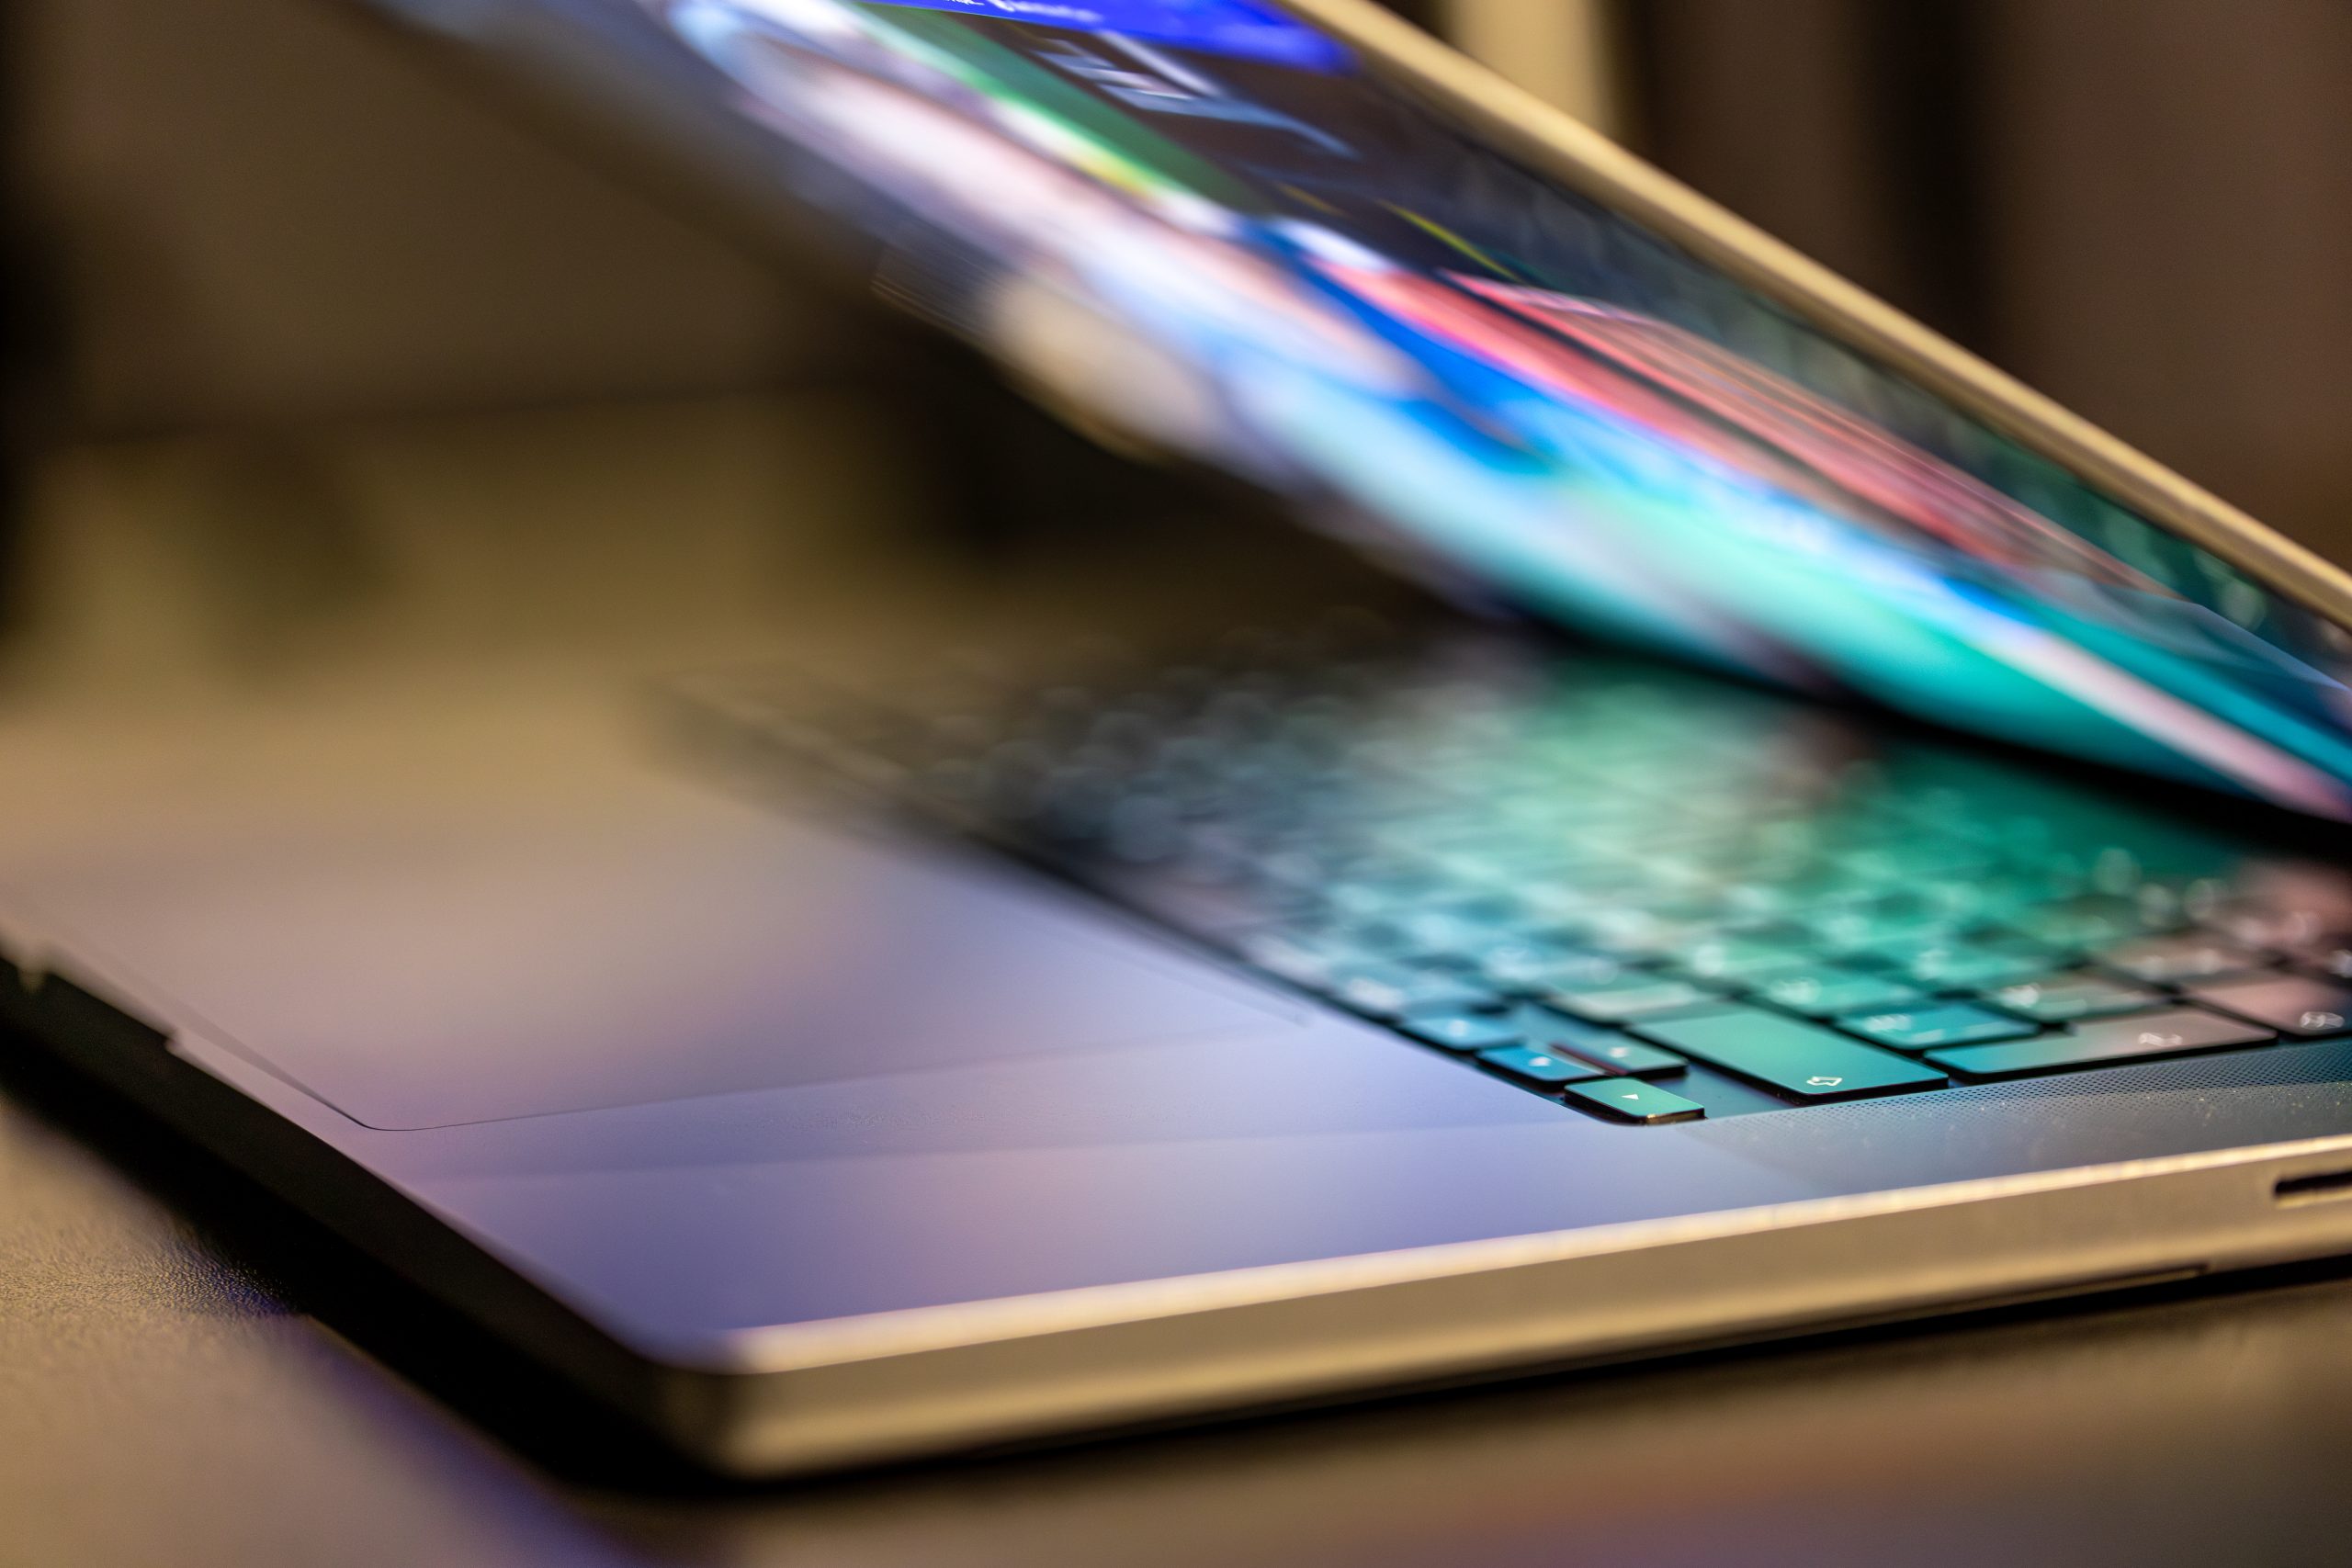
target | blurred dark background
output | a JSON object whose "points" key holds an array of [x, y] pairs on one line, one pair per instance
{"points": [[257, 220], [2139, 206]]}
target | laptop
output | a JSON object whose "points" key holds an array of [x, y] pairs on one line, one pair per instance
{"points": [[1827, 836]]}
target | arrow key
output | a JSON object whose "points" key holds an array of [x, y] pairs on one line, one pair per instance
{"points": [[1631, 1100]]}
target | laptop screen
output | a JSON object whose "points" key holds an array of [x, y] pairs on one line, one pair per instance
{"points": [[1205, 223]]}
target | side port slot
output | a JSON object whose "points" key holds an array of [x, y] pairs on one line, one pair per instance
{"points": [[2314, 1187]]}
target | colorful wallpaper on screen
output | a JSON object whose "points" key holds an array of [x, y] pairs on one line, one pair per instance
{"points": [[1200, 221]]}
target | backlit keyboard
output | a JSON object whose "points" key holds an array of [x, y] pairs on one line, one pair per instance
{"points": [[1644, 895]]}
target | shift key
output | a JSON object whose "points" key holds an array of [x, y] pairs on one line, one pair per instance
{"points": [[1799, 1059], [2145, 1037]]}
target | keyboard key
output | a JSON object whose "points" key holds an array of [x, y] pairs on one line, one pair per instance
{"points": [[1950, 1023], [2176, 960], [1734, 958], [1800, 1059], [1876, 926], [1460, 1031], [1605, 1047], [1543, 966], [1391, 990], [1912, 860], [1827, 990], [1638, 995], [2062, 999], [1371, 898], [1642, 933], [1453, 930], [2290, 1004], [1966, 966], [2286, 929], [1540, 1068], [1631, 1100], [2173, 1032], [2332, 957], [2093, 920], [1636, 1059], [1305, 958]]}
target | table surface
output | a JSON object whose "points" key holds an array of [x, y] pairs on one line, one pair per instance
{"points": [[190, 1375]]}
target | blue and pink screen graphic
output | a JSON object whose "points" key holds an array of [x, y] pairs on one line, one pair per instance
{"points": [[1205, 223]]}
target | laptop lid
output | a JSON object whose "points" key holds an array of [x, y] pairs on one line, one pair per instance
{"points": [[1303, 245]]}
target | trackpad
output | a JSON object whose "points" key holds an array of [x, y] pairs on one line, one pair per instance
{"points": [[439, 975]]}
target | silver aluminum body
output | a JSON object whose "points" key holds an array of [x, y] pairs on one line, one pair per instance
{"points": [[809, 1145]]}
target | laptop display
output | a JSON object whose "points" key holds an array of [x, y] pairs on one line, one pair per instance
{"points": [[1200, 223]]}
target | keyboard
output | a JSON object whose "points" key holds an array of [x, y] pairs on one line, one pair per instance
{"points": [[1646, 896]]}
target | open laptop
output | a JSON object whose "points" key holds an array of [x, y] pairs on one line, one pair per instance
{"points": [[1841, 839]]}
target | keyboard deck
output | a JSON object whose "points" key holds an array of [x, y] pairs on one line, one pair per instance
{"points": [[1646, 896]]}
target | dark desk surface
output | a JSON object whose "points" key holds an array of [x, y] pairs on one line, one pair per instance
{"points": [[187, 1378]]}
